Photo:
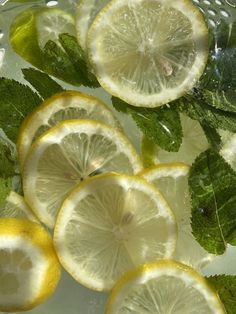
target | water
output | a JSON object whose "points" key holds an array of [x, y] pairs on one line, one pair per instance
{"points": [[70, 297]]}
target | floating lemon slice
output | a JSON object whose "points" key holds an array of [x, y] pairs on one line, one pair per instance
{"points": [[31, 30], [164, 287], [86, 12], [68, 154], [110, 224], [172, 181], [148, 53], [15, 206], [29, 268], [62, 106]]}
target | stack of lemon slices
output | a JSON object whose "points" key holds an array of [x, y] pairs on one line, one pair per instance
{"points": [[115, 225], [83, 179]]}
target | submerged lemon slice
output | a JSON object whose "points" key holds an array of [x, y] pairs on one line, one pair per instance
{"points": [[15, 206], [31, 29], [29, 268], [86, 12], [68, 154], [110, 224], [62, 106], [148, 52], [172, 181], [164, 287]]}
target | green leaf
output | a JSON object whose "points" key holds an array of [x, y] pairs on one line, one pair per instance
{"points": [[223, 100], [78, 59], [5, 188], [58, 64], [212, 185], [7, 166], [225, 285], [162, 125], [43, 83], [196, 108], [119, 105], [213, 137], [16, 101]]}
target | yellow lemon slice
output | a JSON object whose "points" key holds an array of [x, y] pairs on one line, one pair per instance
{"points": [[164, 287], [68, 154], [29, 268], [62, 106], [148, 52], [172, 181], [110, 224]]}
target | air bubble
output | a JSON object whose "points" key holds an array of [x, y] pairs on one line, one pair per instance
{"points": [[52, 3], [213, 23], [207, 2], [224, 13], [211, 12]]}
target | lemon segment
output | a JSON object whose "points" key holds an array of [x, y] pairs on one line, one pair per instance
{"points": [[110, 224], [29, 268], [172, 181], [68, 154], [86, 12], [164, 287], [62, 106], [15, 206], [148, 53]]}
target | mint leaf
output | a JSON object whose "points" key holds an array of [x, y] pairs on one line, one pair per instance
{"points": [[223, 100], [194, 106], [5, 188], [78, 59], [58, 64], [43, 83], [120, 105], [213, 137], [212, 186], [161, 125], [225, 285], [16, 101], [7, 166]]}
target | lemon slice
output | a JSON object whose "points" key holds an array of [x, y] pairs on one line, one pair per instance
{"points": [[62, 106], [110, 224], [31, 30], [66, 155], [29, 268], [172, 181], [164, 287], [86, 12], [148, 53], [15, 206], [194, 142]]}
